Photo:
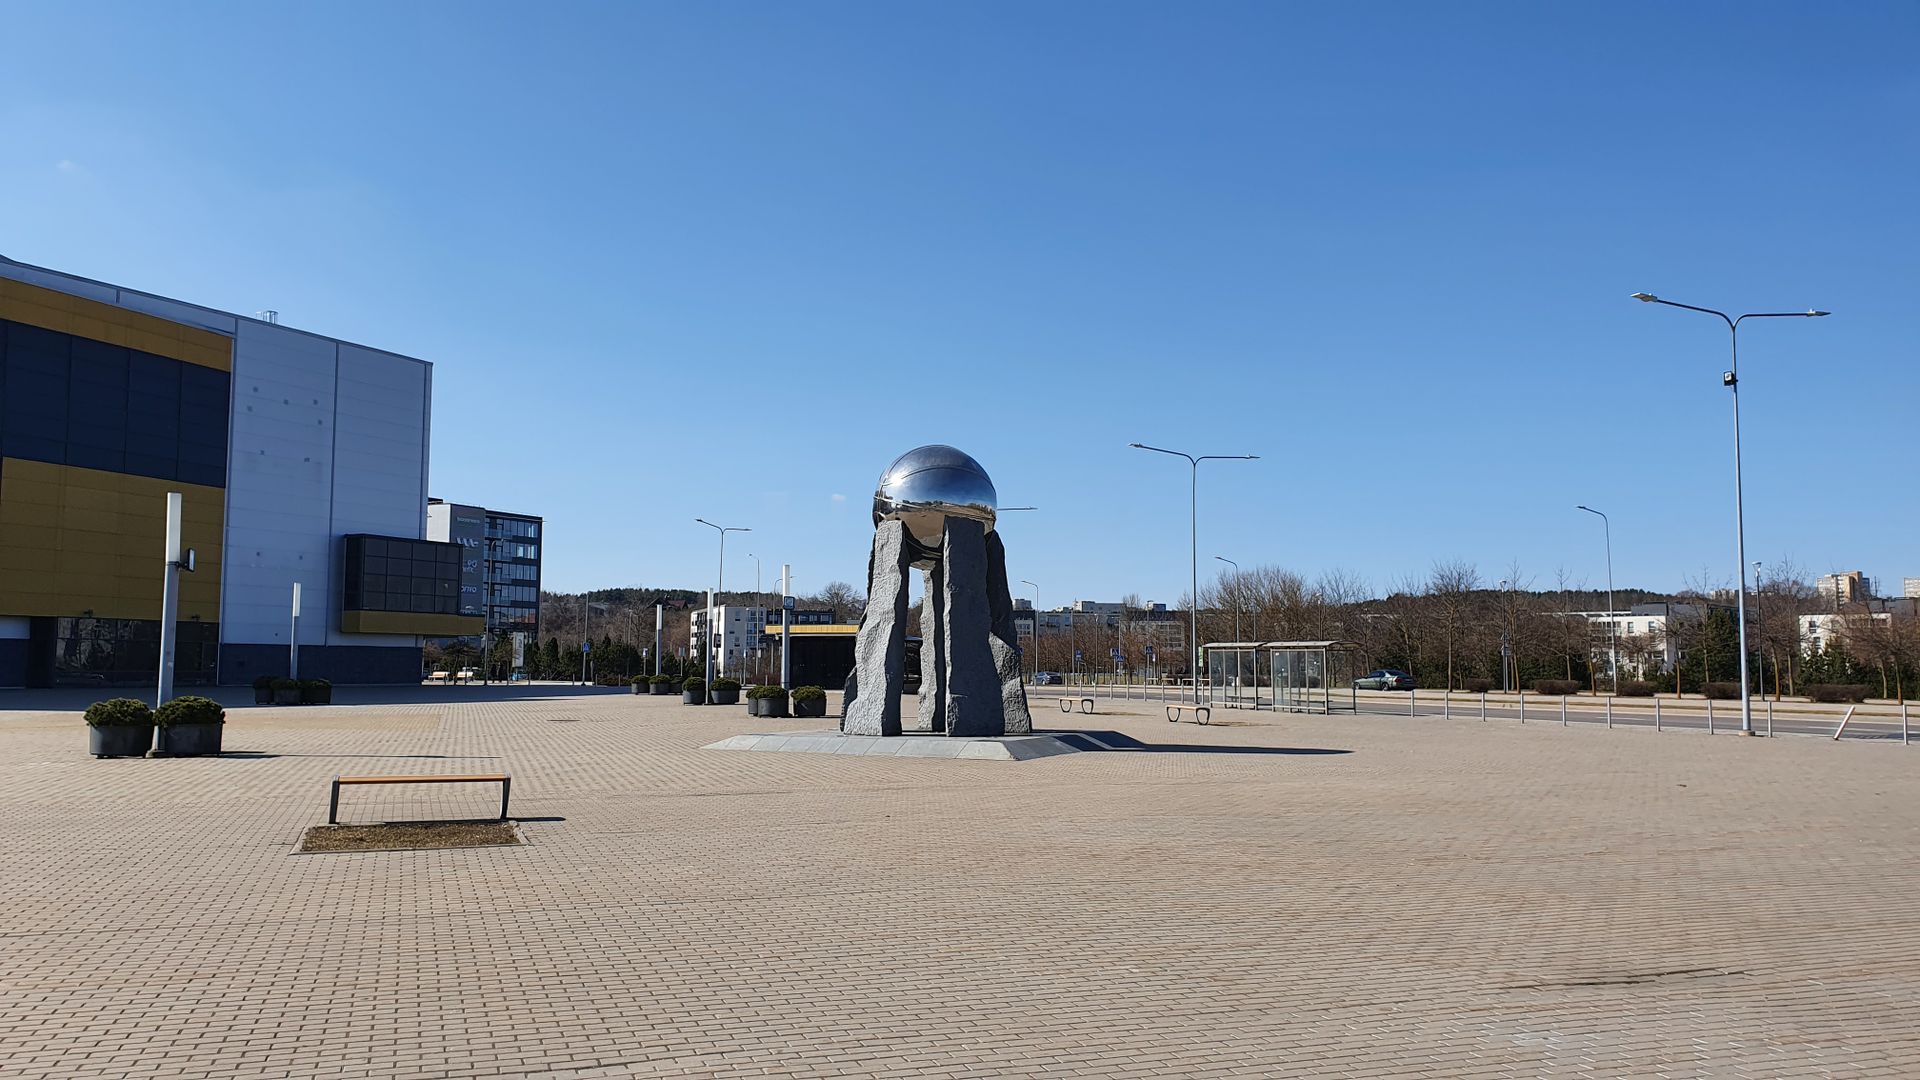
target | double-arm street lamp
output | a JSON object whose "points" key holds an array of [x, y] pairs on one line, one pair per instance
{"points": [[1613, 627], [1193, 531], [719, 586], [1731, 380]]}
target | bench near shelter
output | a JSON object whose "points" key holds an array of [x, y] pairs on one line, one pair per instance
{"points": [[505, 780]]}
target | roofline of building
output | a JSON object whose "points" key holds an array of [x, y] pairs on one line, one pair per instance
{"points": [[210, 310]]}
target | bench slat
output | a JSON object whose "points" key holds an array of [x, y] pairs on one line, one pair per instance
{"points": [[497, 778]]}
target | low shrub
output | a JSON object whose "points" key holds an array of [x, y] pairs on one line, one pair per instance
{"points": [[759, 692], [1636, 688], [119, 712], [659, 680], [693, 684], [315, 684], [284, 683], [190, 709], [808, 693], [1556, 687], [639, 680], [1722, 691], [263, 682], [726, 684], [1476, 686], [1835, 693]]}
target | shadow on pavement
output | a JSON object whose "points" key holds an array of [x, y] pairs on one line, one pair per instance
{"points": [[76, 699], [1114, 740]]}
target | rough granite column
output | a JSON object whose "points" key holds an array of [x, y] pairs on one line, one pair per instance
{"points": [[933, 653], [973, 683], [1005, 641], [880, 651]]}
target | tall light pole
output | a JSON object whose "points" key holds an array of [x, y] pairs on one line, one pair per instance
{"points": [[1236, 595], [1036, 626], [1193, 529], [1613, 627], [759, 599], [719, 587], [1731, 380]]}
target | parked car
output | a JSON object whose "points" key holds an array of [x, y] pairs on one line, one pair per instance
{"points": [[1384, 679], [1047, 678]]}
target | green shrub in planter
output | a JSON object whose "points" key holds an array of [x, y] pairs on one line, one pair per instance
{"points": [[639, 684], [724, 692], [767, 701], [263, 689], [693, 691], [1838, 692], [1636, 688], [809, 701], [190, 725], [122, 727], [1722, 691], [660, 685], [286, 691], [1476, 686], [316, 692], [1556, 687]]}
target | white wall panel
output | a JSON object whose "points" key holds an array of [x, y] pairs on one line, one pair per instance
{"points": [[379, 454]]}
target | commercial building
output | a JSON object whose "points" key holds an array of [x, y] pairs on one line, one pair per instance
{"points": [[743, 632], [300, 459], [499, 565], [1910, 588]]}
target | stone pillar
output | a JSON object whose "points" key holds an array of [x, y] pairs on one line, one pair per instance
{"points": [[973, 683], [933, 653], [880, 651], [1005, 642]]}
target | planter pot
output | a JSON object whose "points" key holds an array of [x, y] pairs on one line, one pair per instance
{"points": [[661, 689], [316, 696], [693, 697], [189, 740], [263, 696], [120, 740], [810, 708], [727, 697], [639, 688], [771, 707], [287, 697]]}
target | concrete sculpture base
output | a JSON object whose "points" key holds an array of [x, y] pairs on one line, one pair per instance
{"points": [[1008, 748]]}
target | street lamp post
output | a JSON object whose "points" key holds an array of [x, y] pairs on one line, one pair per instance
{"points": [[1731, 380], [719, 587], [1236, 596], [1036, 626], [1613, 627], [1193, 531]]}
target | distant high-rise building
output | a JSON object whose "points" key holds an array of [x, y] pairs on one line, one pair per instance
{"points": [[499, 568], [1845, 587], [1912, 588]]}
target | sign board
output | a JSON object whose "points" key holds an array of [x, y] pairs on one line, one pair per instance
{"points": [[586, 646], [1115, 653], [1149, 652], [1076, 656], [787, 602]]}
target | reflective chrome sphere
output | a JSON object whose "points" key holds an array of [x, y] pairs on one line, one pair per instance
{"points": [[923, 486]]}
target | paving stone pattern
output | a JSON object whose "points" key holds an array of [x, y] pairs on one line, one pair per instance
{"points": [[1441, 899]]}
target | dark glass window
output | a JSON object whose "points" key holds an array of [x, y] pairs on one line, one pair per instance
{"points": [[393, 574]]}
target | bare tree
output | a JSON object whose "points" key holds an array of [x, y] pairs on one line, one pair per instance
{"points": [[1450, 588]]}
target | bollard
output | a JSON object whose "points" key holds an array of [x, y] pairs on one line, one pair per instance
{"points": [[1837, 732], [1709, 716], [1656, 714], [1563, 710], [1446, 704], [1769, 718], [1609, 712], [1523, 706], [1903, 721], [1410, 709], [1483, 706]]}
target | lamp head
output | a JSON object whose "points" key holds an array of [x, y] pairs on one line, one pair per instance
{"points": [[1645, 298], [1817, 314]]}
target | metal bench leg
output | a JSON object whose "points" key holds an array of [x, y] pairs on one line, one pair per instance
{"points": [[506, 789], [333, 805]]}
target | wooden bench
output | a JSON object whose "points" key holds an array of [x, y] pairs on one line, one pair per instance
{"points": [[465, 675], [1086, 704], [440, 676], [505, 780], [1202, 714]]}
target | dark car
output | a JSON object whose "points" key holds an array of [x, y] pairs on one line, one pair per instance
{"points": [[1047, 678], [1384, 679]]}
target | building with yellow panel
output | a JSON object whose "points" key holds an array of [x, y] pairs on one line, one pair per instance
{"points": [[289, 449]]}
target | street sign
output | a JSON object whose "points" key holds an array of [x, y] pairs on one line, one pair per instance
{"points": [[1115, 652], [1076, 656], [1149, 652], [787, 602], [586, 646]]}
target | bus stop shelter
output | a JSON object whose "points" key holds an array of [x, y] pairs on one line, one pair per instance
{"points": [[1304, 674]]}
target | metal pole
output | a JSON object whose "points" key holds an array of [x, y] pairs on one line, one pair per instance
{"points": [[786, 627], [1770, 717], [1709, 714], [293, 637], [1656, 714], [1563, 710], [1446, 704], [169, 599], [1483, 706], [659, 633], [1523, 706], [1903, 720], [1609, 712], [1841, 730]]}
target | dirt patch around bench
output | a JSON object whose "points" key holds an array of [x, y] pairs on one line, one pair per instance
{"points": [[409, 836]]}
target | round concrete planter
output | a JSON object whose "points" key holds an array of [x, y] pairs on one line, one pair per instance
{"points": [[289, 696], [727, 696], [817, 707], [639, 688], [767, 706], [189, 740], [661, 689], [263, 695], [120, 740], [693, 697]]}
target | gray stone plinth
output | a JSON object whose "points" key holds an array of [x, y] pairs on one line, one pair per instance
{"points": [[933, 654], [1010, 748], [973, 681], [880, 651], [1005, 643]]}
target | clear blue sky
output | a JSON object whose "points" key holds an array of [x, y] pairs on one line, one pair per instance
{"points": [[1386, 247]]}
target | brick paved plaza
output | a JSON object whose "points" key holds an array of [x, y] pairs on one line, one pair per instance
{"points": [[1438, 898]]}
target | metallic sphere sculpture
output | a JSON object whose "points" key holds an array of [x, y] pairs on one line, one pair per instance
{"points": [[934, 509], [926, 486]]}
